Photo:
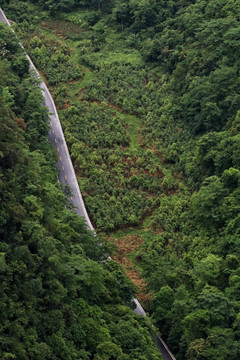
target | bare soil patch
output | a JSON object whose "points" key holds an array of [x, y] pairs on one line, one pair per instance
{"points": [[126, 245]]}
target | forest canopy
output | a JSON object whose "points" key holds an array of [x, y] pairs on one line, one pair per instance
{"points": [[150, 104], [58, 300]]}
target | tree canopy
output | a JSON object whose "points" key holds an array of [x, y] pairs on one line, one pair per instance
{"points": [[148, 95]]}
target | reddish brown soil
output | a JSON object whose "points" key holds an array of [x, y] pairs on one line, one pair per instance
{"points": [[20, 122], [125, 246], [99, 103], [66, 106], [61, 28], [116, 107]]}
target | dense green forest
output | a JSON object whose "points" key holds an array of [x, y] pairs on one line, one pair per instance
{"points": [[57, 299], [148, 95]]}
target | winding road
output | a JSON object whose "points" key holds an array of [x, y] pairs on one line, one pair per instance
{"points": [[67, 175]]}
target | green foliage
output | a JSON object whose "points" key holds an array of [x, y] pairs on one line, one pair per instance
{"points": [[97, 137], [50, 56], [175, 67], [58, 301]]}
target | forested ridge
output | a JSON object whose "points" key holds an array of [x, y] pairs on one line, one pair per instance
{"points": [[148, 95], [58, 300]]}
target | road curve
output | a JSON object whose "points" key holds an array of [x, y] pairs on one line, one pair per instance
{"points": [[67, 175], [66, 172]]}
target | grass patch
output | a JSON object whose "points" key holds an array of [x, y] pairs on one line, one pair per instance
{"points": [[61, 27], [129, 57], [134, 124], [89, 76], [74, 88], [74, 46], [147, 222], [83, 18]]}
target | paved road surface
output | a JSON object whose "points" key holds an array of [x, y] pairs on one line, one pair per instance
{"points": [[2, 17], [66, 172], [67, 176]]}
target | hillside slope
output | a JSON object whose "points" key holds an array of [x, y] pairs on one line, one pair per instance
{"points": [[57, 300], [149, 101]]}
